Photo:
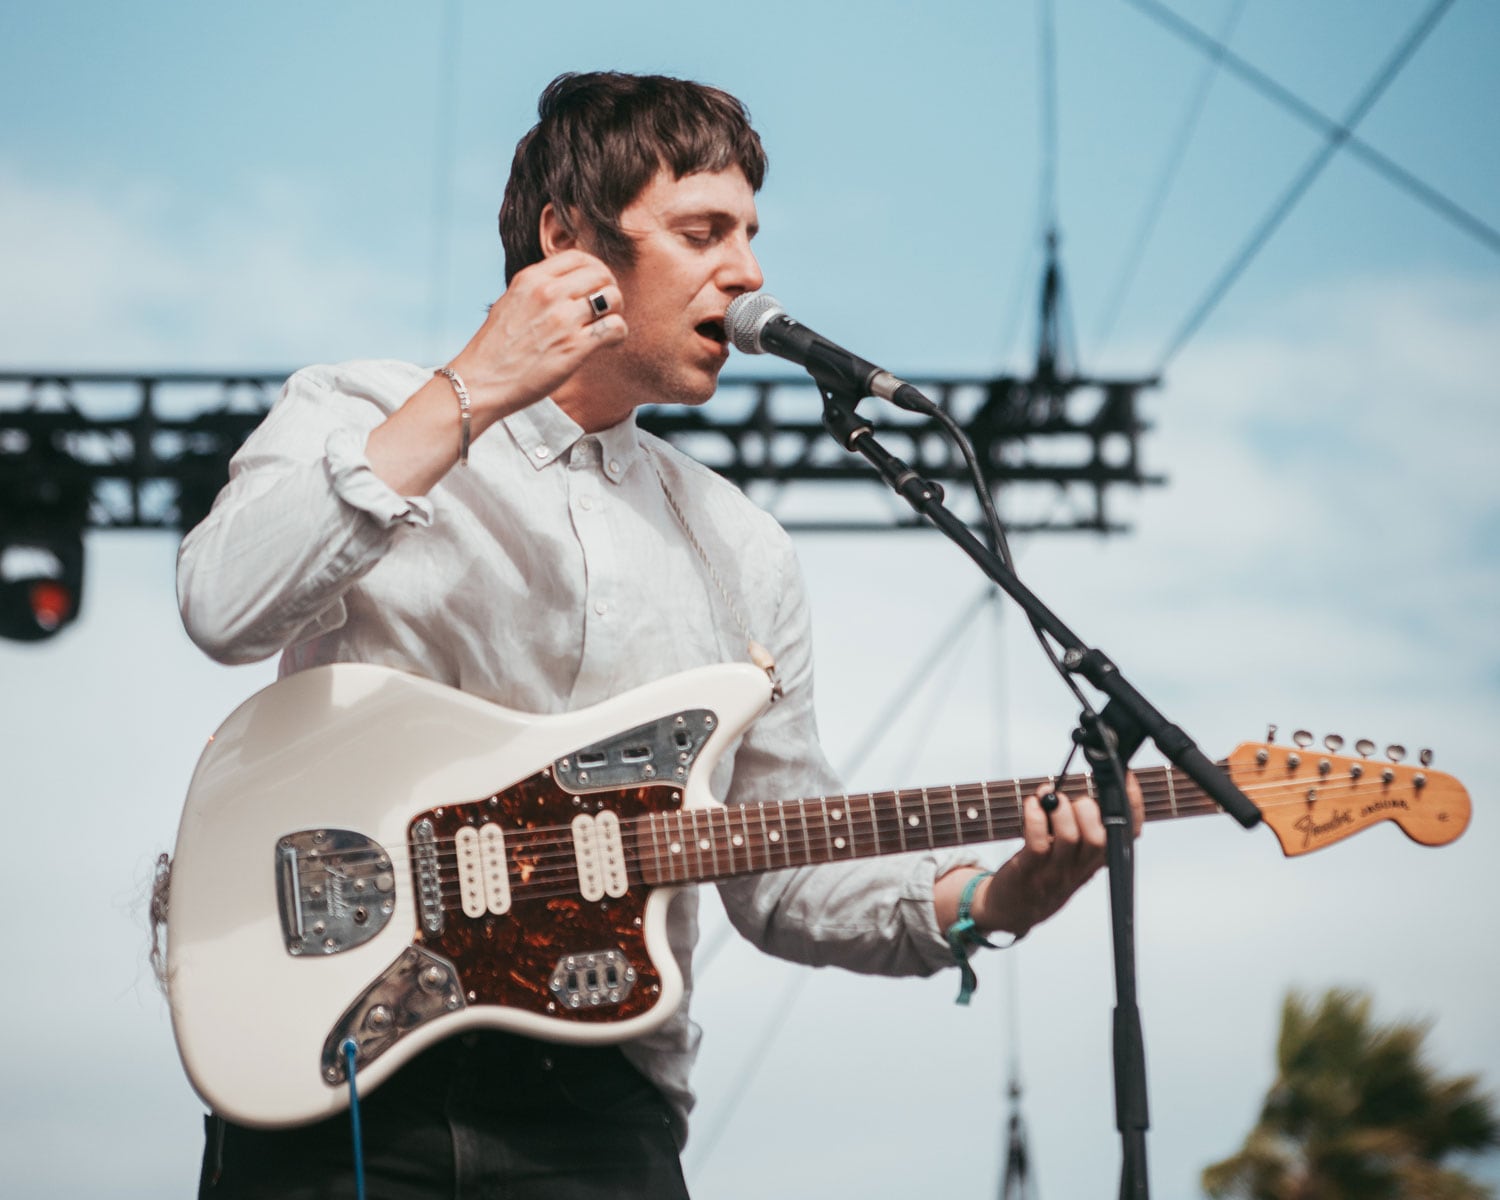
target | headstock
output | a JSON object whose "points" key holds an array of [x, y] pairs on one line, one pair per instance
{"points": [[1313, 797]]}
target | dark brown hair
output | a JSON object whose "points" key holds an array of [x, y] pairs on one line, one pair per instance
{"points": [[602, 137]]}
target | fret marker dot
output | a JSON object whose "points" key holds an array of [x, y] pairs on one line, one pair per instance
{"points": [[973, 814], [913, 821], [676, 847], [704, 844], [839, 842], [737, 840], [837, 814], [776, 835]]}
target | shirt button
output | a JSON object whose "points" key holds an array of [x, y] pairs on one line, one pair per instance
{"points": [[614, 467], [541, 452], [586, 502], [600, 607]]}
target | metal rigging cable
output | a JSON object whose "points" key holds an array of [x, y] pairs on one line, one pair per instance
{"points": [[1313, 168], [1175, 154], [1446, 208]]}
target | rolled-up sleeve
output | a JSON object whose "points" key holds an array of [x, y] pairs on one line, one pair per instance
{"points": [[302, 518]]}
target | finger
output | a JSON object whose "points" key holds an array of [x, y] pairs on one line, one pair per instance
{"points": [[1065, 822], [1090, 822], [608, 330], [1137, 803], [1036, 828], [601, 302]]}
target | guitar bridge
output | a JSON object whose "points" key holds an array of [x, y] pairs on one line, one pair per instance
{"points": [[335, 890]]}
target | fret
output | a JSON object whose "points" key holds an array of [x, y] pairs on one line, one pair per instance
{"points": [[900, 820], [749, 841], [677, 846], [989, 814], [780, 835], [958, 822], [806, 834], [700, 844], [1089, 783], [765, 833], [1020, 803], [655, 844], [728, 842], [1171, 791], [874, 824], [927, 816]]}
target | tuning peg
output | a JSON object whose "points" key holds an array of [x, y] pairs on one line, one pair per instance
{"points": [[1270, 733], [1303, 738], [1395, 752], [1425, 757], [1365, 747], [1334, 743]]}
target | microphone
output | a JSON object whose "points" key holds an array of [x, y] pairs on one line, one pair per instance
{"points": [[757, 324]]}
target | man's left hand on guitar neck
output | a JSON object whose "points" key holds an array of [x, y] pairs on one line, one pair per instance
{"points": [[1060, 853]]}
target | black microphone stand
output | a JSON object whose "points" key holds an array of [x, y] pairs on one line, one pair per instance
{"points": [[1109, 740]]}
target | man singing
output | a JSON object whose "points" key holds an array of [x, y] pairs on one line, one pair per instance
{"points": [[501, 525]]}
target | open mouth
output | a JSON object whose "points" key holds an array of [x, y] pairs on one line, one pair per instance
{"points": [[714, 331]]}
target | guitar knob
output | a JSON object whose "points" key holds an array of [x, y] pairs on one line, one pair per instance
{"points": [[1395, 752], [1425, 757], [1365, 747], [1270, 733], [1334, 743], [1303, 738]]}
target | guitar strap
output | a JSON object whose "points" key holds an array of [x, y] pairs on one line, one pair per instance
{"points": [[757, 653]]}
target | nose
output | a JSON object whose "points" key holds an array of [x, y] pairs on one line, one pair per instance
{"points": [[741, 270]]}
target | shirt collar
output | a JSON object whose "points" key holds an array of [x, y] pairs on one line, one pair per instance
{"points": [[545, 434]]}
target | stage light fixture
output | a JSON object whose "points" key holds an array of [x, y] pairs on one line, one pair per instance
{"points": [[43, 508]]}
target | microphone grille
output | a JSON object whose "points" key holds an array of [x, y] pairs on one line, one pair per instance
{"points": [[747, 316]]}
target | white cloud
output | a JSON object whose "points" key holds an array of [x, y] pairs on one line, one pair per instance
{"points": [[143, 277]]}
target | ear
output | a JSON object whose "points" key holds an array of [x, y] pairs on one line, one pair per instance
{"points": [[556, 235]]}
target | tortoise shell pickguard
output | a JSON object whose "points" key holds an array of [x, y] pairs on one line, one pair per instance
{"points": [[509, 959]]}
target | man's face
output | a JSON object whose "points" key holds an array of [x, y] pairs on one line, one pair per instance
{"points": [[692, 257]]}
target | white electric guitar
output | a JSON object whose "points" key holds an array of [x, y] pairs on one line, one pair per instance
{"points": [[369, 857]]}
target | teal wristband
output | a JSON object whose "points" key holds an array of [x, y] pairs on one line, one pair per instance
{"points": [[963, 936]]}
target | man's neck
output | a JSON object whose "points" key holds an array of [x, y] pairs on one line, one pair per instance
{"points": [[590, 410]]}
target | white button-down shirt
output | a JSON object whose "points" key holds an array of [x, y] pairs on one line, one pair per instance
{"points": [[549, 574]]}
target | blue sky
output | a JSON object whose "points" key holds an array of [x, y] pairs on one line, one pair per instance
{"points": [[192, 185]]}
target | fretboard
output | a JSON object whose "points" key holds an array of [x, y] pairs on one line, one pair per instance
{"points": [[700, 845]]}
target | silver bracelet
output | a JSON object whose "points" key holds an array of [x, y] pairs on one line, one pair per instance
{"points": [[463, 412]]}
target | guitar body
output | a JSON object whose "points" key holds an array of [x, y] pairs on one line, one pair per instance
{"points": [[369, 857]]}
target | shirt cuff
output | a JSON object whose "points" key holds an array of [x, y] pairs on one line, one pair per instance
{"points": [[916, 898], [355, 483]]}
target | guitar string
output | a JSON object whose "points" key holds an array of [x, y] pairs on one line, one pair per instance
{"points": [[540, 843], [564, 869], [938, 800]]}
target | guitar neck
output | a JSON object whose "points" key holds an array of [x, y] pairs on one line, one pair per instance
{"points": [[703, 845]]}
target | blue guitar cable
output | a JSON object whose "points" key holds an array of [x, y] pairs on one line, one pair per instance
{"points": [[350, 1050]]}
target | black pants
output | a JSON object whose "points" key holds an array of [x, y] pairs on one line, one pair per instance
{"points": [[483, 1115]]}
